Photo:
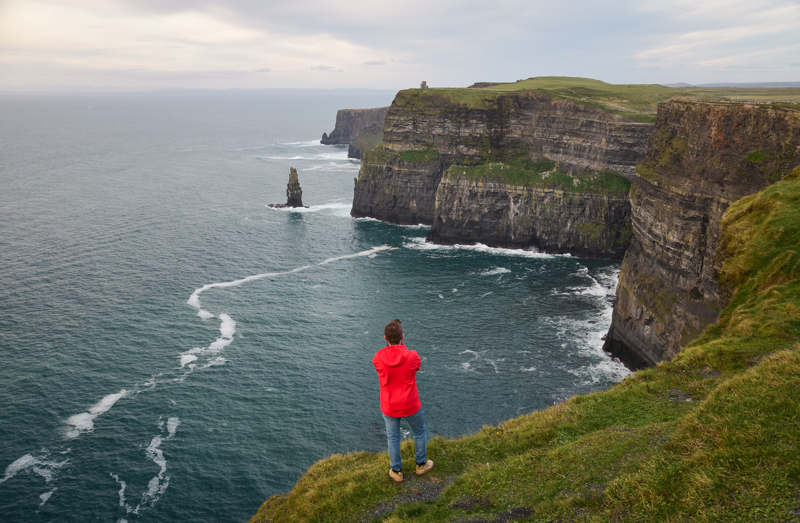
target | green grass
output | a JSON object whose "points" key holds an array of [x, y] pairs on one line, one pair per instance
{"points": [[712, 436], [637, 101], [382, 155], [541, 173], [418, 156]]}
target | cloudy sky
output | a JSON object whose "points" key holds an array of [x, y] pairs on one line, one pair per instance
{"points": [[213, 44]]}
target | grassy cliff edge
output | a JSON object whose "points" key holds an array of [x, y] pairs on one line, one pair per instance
{"points": [[712, 435]]}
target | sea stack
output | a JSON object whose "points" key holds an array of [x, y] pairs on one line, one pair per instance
{"points": [[294, 194]]}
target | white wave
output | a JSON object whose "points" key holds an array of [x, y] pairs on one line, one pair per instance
{"points": [[122, 485], [84, 422], [172, 426], [18, 465], [158, 484], [307, 143], [333, 155], [334, 208], [40, 466], [495, 271], [529, 369], [494, 364], [219, 360], [204, 314], [46, 496], [228, 326], [594, 289], [605, 369], [608, 278], [485, 294], [155, 453], [187, 358], [421, 244], [194, 299]]}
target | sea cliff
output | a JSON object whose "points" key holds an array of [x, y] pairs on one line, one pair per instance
{"points": [[709, 436], [428, 132], [360, 129], [701, 158], [591, 222], [711, 287]]}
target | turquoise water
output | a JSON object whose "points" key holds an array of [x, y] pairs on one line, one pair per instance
{"points": [[173, 349]]}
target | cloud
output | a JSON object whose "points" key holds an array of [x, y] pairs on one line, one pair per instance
{"points": [[216, 44], [327, 69], [734, 33]]}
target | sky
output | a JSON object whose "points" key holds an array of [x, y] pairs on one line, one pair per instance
{"points": [[145, 45]]}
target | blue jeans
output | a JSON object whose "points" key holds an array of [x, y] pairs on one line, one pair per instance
{"points": [[417, 424]]}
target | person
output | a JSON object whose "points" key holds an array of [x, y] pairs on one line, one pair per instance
{"points": [[397, 373]]}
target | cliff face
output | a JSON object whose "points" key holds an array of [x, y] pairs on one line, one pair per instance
{"points": [[543, 219], [701, 158], [352, 124], [395, 188], [501, 126], [426, 132]]}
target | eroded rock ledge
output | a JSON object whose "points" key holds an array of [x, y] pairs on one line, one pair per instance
{"points": [[701, 158]]}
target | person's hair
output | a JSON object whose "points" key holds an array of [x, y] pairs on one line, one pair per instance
{"points": [[394, 332]]}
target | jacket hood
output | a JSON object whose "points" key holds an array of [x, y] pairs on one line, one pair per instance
{"points": [[393, 355]]}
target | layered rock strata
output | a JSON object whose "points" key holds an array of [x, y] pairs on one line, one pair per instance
{"points": [[584, 224], [701, 157], [397, 188], [503, 125], [360, 129], [428, 131]]}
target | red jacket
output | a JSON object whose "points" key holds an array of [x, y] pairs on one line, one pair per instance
{"points": [[397, 372]]}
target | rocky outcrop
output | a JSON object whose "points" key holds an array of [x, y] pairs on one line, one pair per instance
{"points": [[428, 131], [701, 157], [294, 194], [397, 188], [587, 224], [360, 129]]}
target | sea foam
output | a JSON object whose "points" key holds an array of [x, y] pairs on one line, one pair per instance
{"points": [[421, 244], [40, 466], [84, 422]]}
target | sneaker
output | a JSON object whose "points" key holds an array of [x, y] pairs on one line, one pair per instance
{"points": [[422, 469], [398, 476]]}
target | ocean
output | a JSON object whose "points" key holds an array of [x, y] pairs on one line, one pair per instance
{"points": [[172, 349]]}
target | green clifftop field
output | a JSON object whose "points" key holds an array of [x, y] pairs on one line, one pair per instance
{"points": [[711, 436], [637, 101]]}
